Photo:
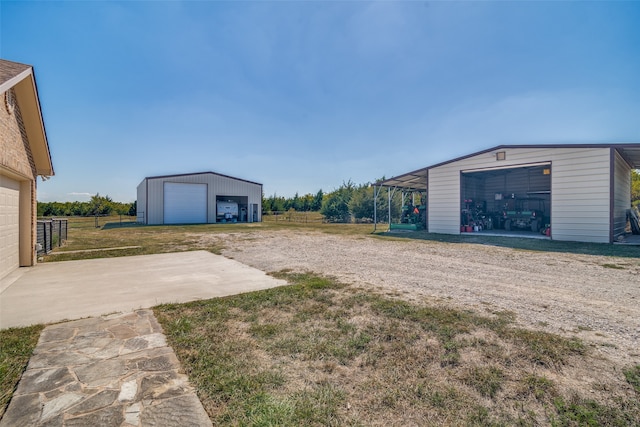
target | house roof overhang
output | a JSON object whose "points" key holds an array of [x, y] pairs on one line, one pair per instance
{"points": [[21, 78]]}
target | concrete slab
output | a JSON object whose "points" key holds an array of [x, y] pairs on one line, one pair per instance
{"points": [[57, 291]]}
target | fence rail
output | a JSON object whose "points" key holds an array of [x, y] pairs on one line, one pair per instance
{"points": [[51, 233], [293, 216]]}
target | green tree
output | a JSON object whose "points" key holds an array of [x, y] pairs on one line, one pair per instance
{"points": [[335, 205], [316, 204], [99, 205], [635, 188], [361, 203]]}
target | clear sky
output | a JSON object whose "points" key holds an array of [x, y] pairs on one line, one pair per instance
{"points": [[302, 96]]}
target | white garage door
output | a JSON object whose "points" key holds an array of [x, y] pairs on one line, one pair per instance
{"points": [[185, 203], [9, 225]]}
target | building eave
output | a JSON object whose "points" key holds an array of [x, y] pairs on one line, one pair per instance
{"points": [[26, 93]]}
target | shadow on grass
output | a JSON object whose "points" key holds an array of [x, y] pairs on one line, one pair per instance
{"points": [[522, 243], [111, 225]]}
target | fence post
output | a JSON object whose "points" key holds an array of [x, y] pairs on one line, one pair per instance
{"points": [[46, 238]]}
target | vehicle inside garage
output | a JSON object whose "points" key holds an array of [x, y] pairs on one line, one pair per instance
{"points": [[514, 199], [232, 209]]}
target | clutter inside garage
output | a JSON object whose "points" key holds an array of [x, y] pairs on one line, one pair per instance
{"points": [[515, 200]]}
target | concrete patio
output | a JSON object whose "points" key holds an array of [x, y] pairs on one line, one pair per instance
{"points": [[113, 366], [57, 291]]}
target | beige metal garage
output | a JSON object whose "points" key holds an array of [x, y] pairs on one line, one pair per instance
{"points": [[24, 156], [580, 192]]}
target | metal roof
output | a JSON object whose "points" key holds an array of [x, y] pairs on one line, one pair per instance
{"points": [[631, 153], [418, 179], [202, 173]]}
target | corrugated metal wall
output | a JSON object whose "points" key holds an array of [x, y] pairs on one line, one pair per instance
{"points": [[580, 208], [621, 194], [141, 202], [217, 185]]}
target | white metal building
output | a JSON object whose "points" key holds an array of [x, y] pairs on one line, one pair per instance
{"points": [[583, 189], [198, 198]]}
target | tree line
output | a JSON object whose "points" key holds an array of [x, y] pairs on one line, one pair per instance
{"points": [[98, 205], [349, 202]]}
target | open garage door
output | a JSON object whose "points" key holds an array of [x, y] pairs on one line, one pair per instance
{"points": [[9, 225], [514, 199], [185, 203]]}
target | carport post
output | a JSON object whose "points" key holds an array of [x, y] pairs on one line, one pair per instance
{"points": [[375, 206], [389, 206], [375, 209]]}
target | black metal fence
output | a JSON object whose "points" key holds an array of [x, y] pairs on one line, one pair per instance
{"points": [[51, 233]]}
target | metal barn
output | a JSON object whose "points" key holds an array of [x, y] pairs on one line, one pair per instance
{"points": [[198, 198], [573, 192]]}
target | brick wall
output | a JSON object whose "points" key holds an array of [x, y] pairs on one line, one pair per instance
{"points": [[16, 156]]}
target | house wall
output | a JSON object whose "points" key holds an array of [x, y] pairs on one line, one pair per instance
{"points": [[16, 163], [621, 193], [217, 185], [580, 207]]}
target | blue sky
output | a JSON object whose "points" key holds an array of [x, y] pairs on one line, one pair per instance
{"points": [[302, 96]]}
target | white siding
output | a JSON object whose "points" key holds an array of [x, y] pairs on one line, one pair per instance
{"points": [[141, 203], [580, 207], [217, 185], [621, 193]]}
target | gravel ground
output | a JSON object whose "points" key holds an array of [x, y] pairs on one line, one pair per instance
{"points": [[558, 292]]}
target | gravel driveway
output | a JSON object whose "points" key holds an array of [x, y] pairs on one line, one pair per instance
{"points": [[594, 297]]}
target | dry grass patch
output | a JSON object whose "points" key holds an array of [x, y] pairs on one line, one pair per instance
{"points": [[319, 352], [111, 233]]}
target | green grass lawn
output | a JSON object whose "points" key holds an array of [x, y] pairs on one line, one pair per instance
{"points": [[16, 346], [319, 352]]}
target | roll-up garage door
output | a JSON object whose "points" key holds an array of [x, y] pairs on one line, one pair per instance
{"points": [[9, 225], [185, 203]]}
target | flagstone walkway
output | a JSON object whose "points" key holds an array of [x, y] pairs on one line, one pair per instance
{"points": [[106, 371]]}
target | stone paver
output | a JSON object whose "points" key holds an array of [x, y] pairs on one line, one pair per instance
{"points": [[107, 371]]}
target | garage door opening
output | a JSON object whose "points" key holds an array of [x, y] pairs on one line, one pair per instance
{"points": [[185, 203], [233, 209], [508, 201]]}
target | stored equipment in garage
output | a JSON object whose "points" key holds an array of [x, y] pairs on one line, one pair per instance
{"points": [[511, 199], [414, 211], [226, 211], [528, 215]]}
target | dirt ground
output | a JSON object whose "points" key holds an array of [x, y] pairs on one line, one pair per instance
{"points": [[593, 297]]}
